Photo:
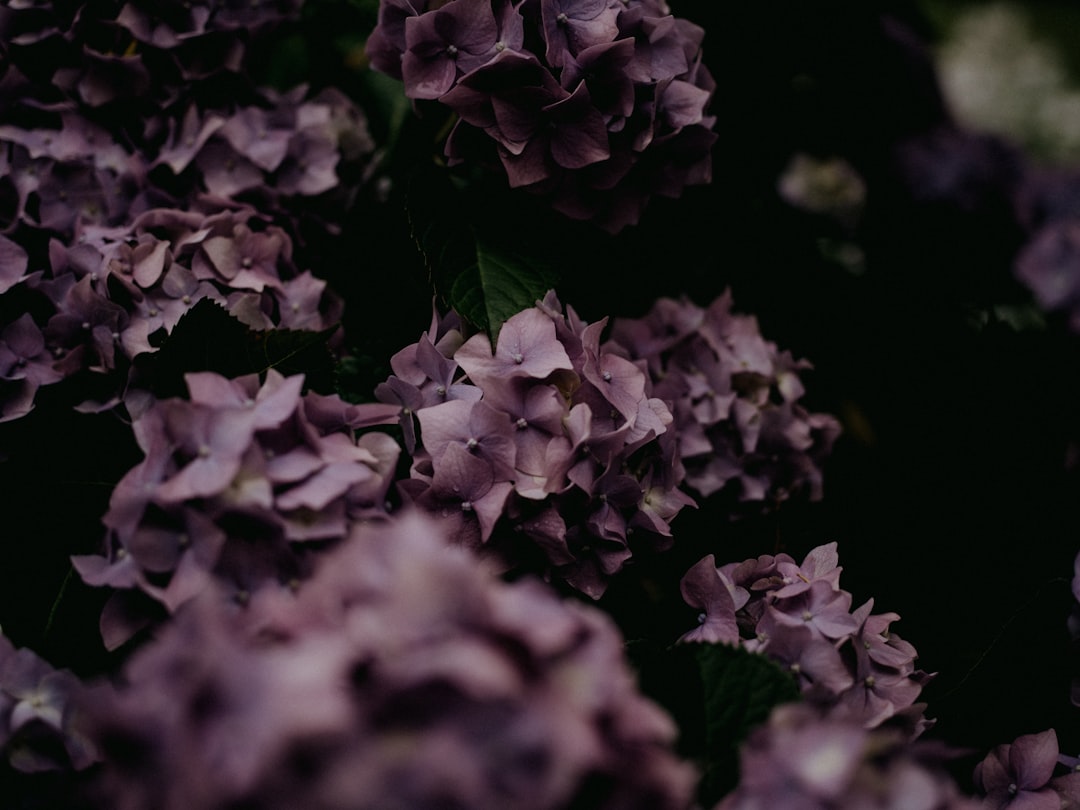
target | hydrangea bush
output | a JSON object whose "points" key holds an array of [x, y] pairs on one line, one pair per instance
{"points": [[265, 548]]}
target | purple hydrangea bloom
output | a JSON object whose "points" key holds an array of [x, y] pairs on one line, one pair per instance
{"points": [[1050, 265], [848, 662], [401, 675], [735, 398], [595, 104], [130, 179], [1020, 776], [118, 287], [558, 459], [40, 726], [803, 760], [240, 483]]}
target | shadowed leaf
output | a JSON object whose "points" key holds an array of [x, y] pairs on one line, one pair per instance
{"points": [[208, 338]]}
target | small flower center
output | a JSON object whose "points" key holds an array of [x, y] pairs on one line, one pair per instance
{"points": [[451, 51], [521, 423], [607, 376], [466, 506], [472, 444], [562, 19], [701, 618], [518, 358]]}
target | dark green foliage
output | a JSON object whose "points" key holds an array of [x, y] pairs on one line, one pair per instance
{"points": [[740, 689], [208, 338], [717, 694], [480, 268]]}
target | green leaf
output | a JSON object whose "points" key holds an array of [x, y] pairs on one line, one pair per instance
{"points": [[473, 263], [511, 279], [740, 689], [208, 338], [717, 694]]}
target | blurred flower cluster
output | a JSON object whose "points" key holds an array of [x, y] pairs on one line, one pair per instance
{"points": [[847, 661], [402, 675], [40, 729], [595, 104], [549, 432], [805, 760], [241, 483], [998, 76]]}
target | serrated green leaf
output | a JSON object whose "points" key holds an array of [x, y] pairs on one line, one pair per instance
{"points": [[473, 266], [295, 351], [740, 689], [467, 297], [208, 338], [510, 280]]}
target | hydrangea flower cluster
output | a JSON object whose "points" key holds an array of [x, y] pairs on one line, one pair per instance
{"points": [[1020, 775], [845, 660], [129, 129], [595, 104], [118, 290], [240, 483], [1049, 262], [68, 172], [735, 399], [803, 759], [40, 729], [401, 675], [133, 53], [549, 432], [106, 102]]}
